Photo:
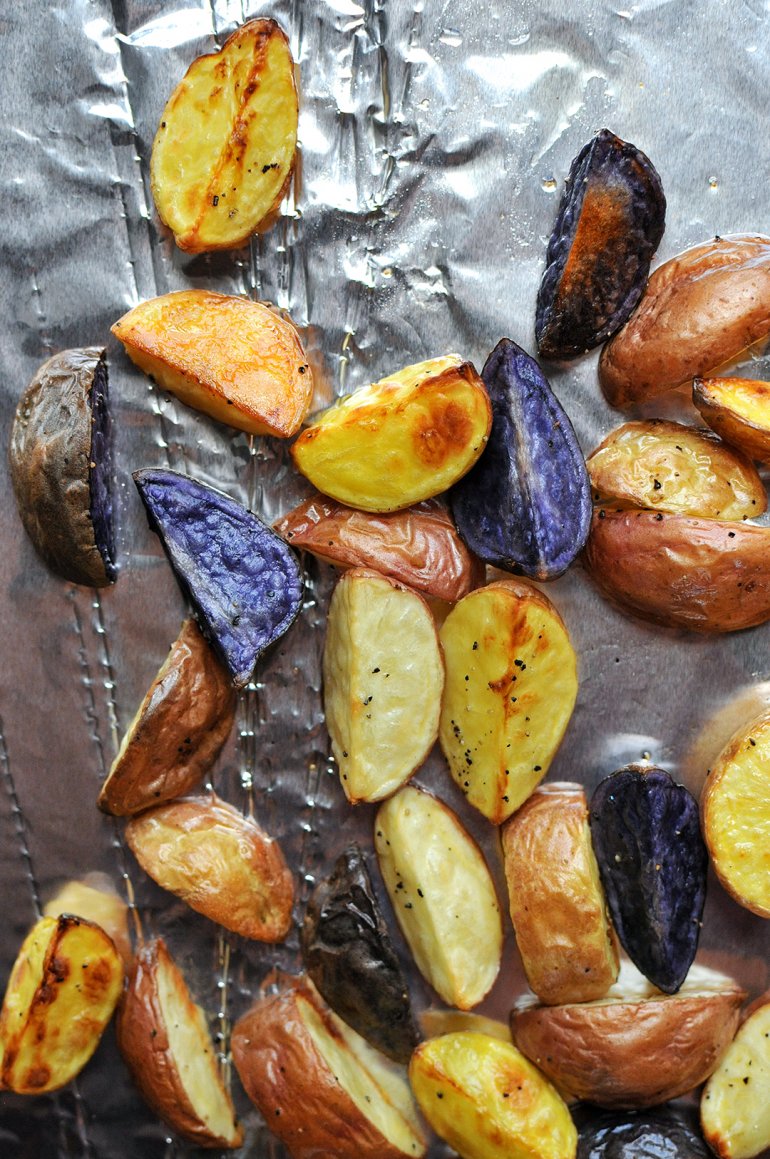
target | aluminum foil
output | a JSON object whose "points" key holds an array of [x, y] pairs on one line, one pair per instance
{"points": [[435, 138]]}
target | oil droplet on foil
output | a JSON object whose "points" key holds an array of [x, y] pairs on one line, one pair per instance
{"points": [[549, 184], [713, 183], [451, 37]]}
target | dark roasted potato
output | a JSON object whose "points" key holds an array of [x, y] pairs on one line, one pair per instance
{"points": [[526, 505], [610, 221], [738, 409], [663, 1133], [60, 463]]}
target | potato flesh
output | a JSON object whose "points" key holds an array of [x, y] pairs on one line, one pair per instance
{"points": [[738, 409], [442, 894], [735, 1109], [95, 900]]}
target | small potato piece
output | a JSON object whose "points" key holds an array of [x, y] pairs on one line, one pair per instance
{"points": [[734, 1107], [511, 684], [219, 862], [487, 1100], [165, 1042], [383, 678], [400, 440], [558, 907], [662, 1133], [319, 1086], [94, 898], [636, 1047], [236, 360], [442, 893], [63, 988], [177, 732], [224, 150], [671, 467], [738, 409]]}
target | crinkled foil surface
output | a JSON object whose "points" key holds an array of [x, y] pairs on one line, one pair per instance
{"points": [[435, 139]]}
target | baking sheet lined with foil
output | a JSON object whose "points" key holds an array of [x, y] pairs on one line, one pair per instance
{"points": [[434, 142]]}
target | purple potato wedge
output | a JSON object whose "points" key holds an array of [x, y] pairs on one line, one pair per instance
{"points": [[652, 861], [610, 222], [244, 582], [525, 506], [665, 1132]]}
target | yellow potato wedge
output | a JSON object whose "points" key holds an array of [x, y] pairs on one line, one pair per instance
{"points": [[436, 1021], [442, 894], [322, 1089], [219, 862], [738, 409], [63, 988], [667, 466], [557, 903], [734, 1106], [487, 1100], [236, 360], [165, 1042], [383, 678], [400, 440], [224, 150], [511, 685], [94, 898]]}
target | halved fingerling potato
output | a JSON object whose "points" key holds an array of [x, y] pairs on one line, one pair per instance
{"points": [[738, 409], [734, 1107]]}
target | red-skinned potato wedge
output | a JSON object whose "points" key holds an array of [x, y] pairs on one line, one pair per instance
{"points": [[705, 575], [224, 151], [734, 1107], [63, 988], [95, 899], [636, 1047], [219, 862], [321, 1088], [738, 409], [418, 546], [236, 360], [165, 1042]]}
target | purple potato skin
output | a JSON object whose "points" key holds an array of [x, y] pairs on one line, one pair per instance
{"points": [[525, 506], [653, 863], [661, 1133], [610, 222], [244, 582]]}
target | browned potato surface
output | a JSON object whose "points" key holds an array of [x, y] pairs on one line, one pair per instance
{"points": [[734, 1107], [738, 409], [94, 898]]}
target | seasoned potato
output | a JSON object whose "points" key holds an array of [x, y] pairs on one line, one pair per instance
{"points": [[165, 1042], [442, 893], [511, 684], [734, 1107], [400, 440], [488, 1101], [224, 150], [671, 467], [702, 574], [557, 903], [636, 1047], [320, 1087], [738, 409], [383, 678], [94, 898], [700, 309], [236, 360], [219, 862], [63, 989]]}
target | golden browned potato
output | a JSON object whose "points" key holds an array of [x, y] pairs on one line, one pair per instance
{"points": [[636, 1047], [400, 440], [734, 1107], [236, 360], [738, 409], [177, 732], [95, 899], [224, 150], [219, 862], [322, 1089], [702, 574], [700, 309], [558, 909], [487, 1100], [383, 677], [165, 1042], [671, 467], [511, 684], [63, 988]]}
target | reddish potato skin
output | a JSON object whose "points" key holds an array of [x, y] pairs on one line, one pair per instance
{"points": [[750, 437]]}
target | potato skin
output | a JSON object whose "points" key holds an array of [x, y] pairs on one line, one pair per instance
{"points": [[727, 405], [734, 1108]]}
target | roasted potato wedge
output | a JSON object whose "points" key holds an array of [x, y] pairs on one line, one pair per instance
{"points": [[661, 1133], [700, 309], [558, 908], [320, 1087], [738, 409], [95, 899], [734, 1107], [511, 684], [619, 1050], [219, 862], [177, 732], [400, 440], [236, 360], [63, 988], [165, 1042], [437, 1020], [383, 677], [224, 150], [442, 894], [488, 1101], [667, 466]]}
